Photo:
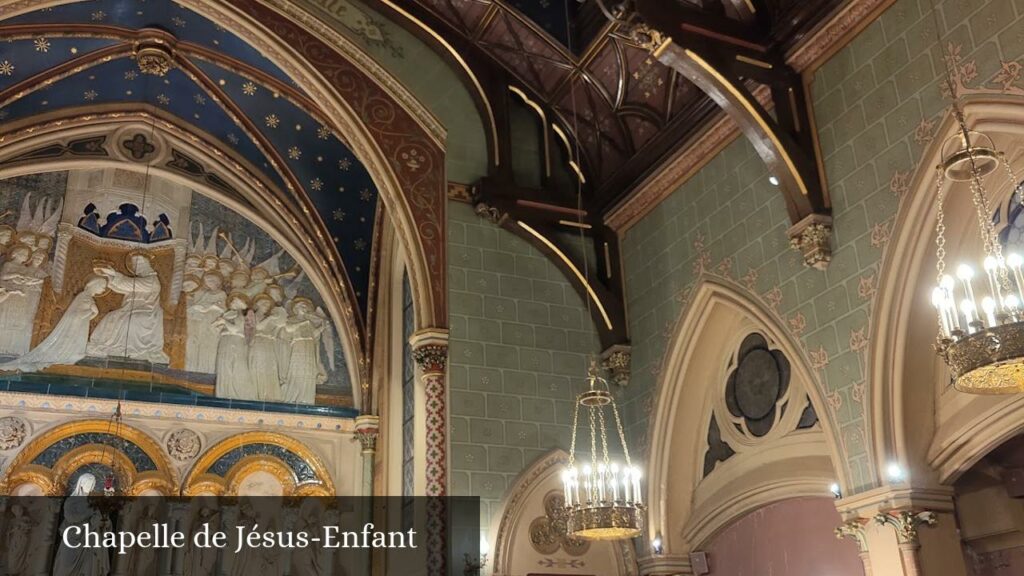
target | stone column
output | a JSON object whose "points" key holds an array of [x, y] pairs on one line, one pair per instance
{"points": [[367, 430], [904, 531], [855, 529], [431, 355], [905, 523], [430, 351]]}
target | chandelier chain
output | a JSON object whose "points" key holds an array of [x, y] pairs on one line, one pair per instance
{"points": [[572, 443], [604, 436], [622, 435]]}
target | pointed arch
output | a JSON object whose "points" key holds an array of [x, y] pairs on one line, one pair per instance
{"points": [[685, 510], [915, 418]]}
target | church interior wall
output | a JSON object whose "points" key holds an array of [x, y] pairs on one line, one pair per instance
{"points": [[519, 342]]}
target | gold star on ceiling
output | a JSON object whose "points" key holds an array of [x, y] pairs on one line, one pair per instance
{"points": [[272, 121], [294, 153], [163, 99], [130, 75], [200, 99], [98, 15], [6, 68], [365, 195], [42, 45], [323, 133], [360, 244], [90, 94], [232, 138], [178, 21], [344, 164], [339, 215], [248, 88], [316, 184]]}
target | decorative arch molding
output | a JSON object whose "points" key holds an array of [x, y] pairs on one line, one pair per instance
{"points": [[530, 486], [204, 477], [685, 509], [52, 480], [240, 188], [382, 132], [946, 432]]}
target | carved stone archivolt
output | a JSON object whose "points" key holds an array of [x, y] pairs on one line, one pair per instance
{"points": [[13, 432], [183, 445], [549, 533]]}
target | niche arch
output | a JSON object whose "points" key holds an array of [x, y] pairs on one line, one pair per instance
{"points": [[225, 466], [513, 526], [687, 507], [50, 460], [915, 417]]}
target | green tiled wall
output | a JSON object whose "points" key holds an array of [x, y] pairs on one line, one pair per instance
{"points": [[876, 105], [517, 356], [426, 76]]}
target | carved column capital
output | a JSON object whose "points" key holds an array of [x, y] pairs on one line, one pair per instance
{"points": [[617, 360], [812, 236], [367, 430], [854, 529], [431, 358], [906, 523]]}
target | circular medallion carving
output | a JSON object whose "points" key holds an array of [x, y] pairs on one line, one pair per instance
{"points": [[13, 432], [183, 445]]}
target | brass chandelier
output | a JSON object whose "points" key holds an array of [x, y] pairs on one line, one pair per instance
{"points": [[603, 500], [981, 320]]}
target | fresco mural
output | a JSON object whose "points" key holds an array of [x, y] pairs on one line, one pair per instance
{"points": [[108, 277]]}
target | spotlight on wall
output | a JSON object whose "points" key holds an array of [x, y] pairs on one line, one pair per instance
{"points": [[656, 545], [476, 566], [774, 181], [834, 489], [895, 472]]}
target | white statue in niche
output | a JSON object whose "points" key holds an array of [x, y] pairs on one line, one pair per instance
{"points": [[19, 530], [205, 306], [140, 561], [67, 342], [201, 561], [308, 560], [233, 377], [268, 320], [79, 560], [307, 327], [136, 329]]}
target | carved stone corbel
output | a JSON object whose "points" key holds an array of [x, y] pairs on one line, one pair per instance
{"points": [[812, 236], [617, 360]]}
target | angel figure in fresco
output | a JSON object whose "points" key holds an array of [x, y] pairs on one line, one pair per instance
{"points": [[19, 528], [233, 377], [67, 342], [205, 306], [268, 321], [77, 560], [306, 330], [136, 329], [21, 285]]}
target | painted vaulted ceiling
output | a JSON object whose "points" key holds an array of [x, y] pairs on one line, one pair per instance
{"points": [[78, 55]]}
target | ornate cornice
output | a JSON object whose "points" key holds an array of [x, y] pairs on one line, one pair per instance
{"points": [[835, 33]]}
